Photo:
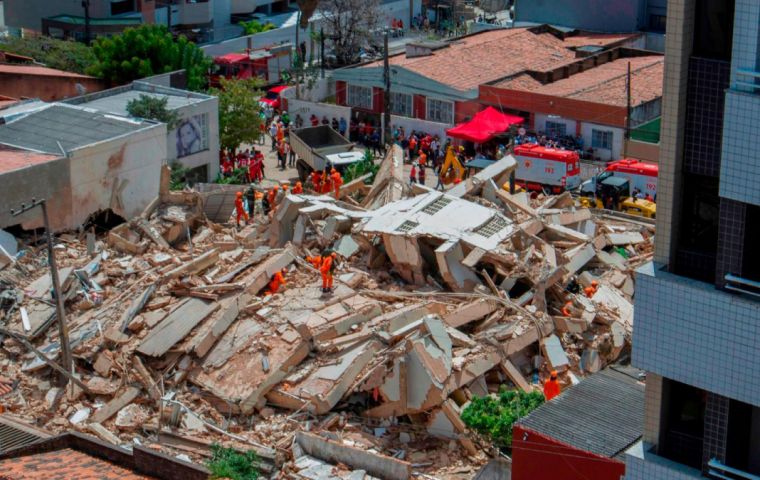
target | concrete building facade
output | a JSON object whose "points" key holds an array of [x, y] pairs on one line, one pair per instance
{"points": [[193, 143], [697, 315], [84, 161]]}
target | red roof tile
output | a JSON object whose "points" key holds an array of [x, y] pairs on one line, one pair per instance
{"points": [[38, 70], [603, 84], [15, 159], [64, 464], [488, 56]]}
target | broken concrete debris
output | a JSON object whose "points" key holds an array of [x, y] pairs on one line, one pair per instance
{"points": [[438, 298]]}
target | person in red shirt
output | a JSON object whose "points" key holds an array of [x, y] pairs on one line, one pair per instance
{"points": [[552, 387], [413, 174]]}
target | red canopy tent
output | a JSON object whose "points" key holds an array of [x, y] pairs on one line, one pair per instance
{"points": [[484, 125]]}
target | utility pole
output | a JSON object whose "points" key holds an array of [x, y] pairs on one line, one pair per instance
{"points": [[627, 113], [169, 15], [63, 331], [86, 6], [387, 95], [298, 60], [322, 50]]}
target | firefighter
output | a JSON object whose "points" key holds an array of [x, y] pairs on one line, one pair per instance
{"points": [[298, 189], [277, 281], [327, 269], [566, 309], [337, 181], [326, 186], [240, 209], [591, 289], [551, 386], [272, 196], [316, 261], [316, 180]]}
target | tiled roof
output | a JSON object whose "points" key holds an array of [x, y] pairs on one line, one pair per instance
{"points": [[603, 84], [38, 70], [488, 56], [65, 464], [603, 414]]}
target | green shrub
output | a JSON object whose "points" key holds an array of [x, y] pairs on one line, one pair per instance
{"points": [[363, 167], [494, 417], [229, 463]]}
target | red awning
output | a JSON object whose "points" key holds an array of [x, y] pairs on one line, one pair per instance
{"points": [[484, 126]]}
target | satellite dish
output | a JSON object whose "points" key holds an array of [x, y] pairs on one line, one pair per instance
{"points": [[81, 90]]}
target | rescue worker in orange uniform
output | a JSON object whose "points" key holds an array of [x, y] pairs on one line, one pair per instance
{"points": [[240, 209], [298, 189], [277, 281], [316, 180], [591, 289], [551, 386], [272, 196], [326, 186], [566, 309], [326, 269], [316, 261], [337, 181]]}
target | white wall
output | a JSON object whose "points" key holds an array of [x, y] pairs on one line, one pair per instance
{"points": [[305, 109], [541, 118], [409, 124], [617, 141], [323, 88], [133, 161], [210, 156], [287, 33]]}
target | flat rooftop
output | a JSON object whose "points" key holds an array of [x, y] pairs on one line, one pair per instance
{"points": [[16, 159], [70, 126], [488, 56], [37, 70]]}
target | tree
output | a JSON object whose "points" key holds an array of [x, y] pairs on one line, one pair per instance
{"points": [[350, 24], [239, 111], [153, 108], [149, 50], [254, 26], [65, 55], [231, 464], [494, 417]]}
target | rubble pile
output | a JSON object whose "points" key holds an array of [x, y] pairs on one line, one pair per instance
{"points": [[438, 298]]}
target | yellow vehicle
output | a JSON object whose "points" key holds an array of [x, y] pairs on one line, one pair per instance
{"points": [[452, 169], [613, 193]]}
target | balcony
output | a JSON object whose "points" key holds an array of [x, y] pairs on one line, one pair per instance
{"points": [[722, 472], [689, 331], [740, 165], [195, 12], [641, 463]]}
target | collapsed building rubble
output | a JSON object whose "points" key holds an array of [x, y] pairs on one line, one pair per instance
{"points": [[439, 297]]}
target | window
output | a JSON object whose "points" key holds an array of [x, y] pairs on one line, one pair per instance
{"points": [[682, 433], [440, 111], [122, 6], [657, 23], [555, 129], [401, 104], [360, 97], [407, 226], [491, 227], [601, 139], [436, 206]]}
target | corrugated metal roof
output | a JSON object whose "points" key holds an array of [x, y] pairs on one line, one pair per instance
{"points": [[72, 127], [603, 414], [14, 435]]}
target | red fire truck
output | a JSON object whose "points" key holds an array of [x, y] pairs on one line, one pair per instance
{"points": [[642, 176], [265, 63], [547, 169]]}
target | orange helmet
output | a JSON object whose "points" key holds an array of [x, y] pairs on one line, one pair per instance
{"points": [[594, 283], [285, 187], [298, 184], [333, 171], [276, 187], [333, 254], [239, 194], [553, 374]]}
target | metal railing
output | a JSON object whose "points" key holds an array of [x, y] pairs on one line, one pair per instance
{"points": [[748, 80], [738, 284], [717, 470]]}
